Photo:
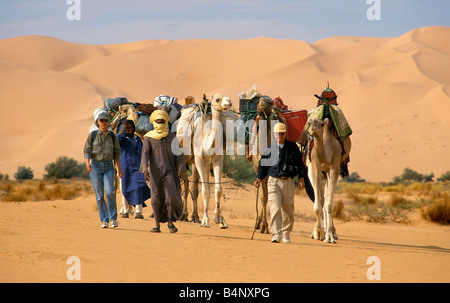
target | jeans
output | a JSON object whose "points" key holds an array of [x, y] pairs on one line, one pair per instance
{"points": [[102, 177]]}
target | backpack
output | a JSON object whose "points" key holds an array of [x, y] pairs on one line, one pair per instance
{"points": [[94, 135]]}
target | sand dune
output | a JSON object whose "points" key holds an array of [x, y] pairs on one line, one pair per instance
{"points": [[394, 91]]}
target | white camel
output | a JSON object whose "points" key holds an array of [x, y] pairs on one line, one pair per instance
{"points": [[324, 164], [209, 150]]}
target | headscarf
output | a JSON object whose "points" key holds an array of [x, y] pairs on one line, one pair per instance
{"points": [[100, 114], [159, 131]]}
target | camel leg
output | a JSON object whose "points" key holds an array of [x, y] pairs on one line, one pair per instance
{"points": [[330, 235], [261, 221], [203, 171], [194, 194], [126, 207], [218, 215], [184, 195], [316, 182]]}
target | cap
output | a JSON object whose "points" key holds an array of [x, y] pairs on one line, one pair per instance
{"points": [[279, 128], [101, 114]]}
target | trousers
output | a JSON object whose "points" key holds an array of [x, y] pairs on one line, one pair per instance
{"points": [[102, 177], [281, 205]]}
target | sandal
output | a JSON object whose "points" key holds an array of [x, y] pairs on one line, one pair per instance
{"points": [[173, 229], [155, 230]]}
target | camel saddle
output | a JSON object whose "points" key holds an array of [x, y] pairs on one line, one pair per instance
{"points": [[335, 114]]}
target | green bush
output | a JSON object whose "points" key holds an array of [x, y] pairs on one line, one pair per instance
{"points": [[445, 176], [66, 168], [24, 173], [353, 178], [239, 169], [410, 175]]}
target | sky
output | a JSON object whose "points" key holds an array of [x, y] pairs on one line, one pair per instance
{"points": [[122, 21]]}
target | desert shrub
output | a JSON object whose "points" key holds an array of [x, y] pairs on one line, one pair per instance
{"points": [[4, 177], [239, 169], [42, 191], [439, 211], [353, 178], [410, 175], [362, 199], [377, 213], [24, 173], [66, 168], [445, 176], [358, 187], [398, 201], [338, 209]]}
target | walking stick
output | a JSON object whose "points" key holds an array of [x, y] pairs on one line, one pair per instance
{"points": [[254, 229]]}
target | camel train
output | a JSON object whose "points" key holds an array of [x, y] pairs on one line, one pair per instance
{"points": [[205, 136]]}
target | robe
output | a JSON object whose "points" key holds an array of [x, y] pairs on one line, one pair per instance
{"points": [[163, 167], [134, 187]]}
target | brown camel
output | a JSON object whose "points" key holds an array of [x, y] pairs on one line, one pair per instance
{"points": [[258, 142], [324, 168]]}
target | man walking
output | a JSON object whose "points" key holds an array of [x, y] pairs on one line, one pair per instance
{"points": [[163, 169], [281, 186]]}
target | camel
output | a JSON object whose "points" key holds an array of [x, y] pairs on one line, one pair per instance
{"points": [[208, 146], [324, 168], [193, 190], [264, 113], [184, 126]]}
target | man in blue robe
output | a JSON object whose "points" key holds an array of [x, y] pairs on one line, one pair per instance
{"points": [[134, 187]]}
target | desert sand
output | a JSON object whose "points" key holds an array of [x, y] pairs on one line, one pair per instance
{"points": [[39, 237], [395, 93]]}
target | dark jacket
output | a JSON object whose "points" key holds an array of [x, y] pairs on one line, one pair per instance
{"points": [[289, 163]]}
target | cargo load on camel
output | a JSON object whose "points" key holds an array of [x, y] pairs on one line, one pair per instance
{"points": [[327, 110], [327, 107], [295, 120]]}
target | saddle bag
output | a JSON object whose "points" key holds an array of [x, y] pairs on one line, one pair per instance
{"points": [[248, 105], [143, 125], [279, 104], [295, 122], [112, 104]]}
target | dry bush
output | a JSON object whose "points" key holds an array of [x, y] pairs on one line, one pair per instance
{"points": [[439, 211], [16, 191], [338, 209], [362, 199], [361, 188], [398, 201]]}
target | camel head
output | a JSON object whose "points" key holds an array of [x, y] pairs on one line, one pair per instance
{"points": [[316, 126], [264, 107], [220, 102]]}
